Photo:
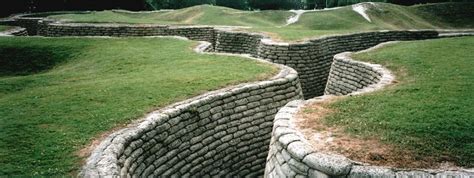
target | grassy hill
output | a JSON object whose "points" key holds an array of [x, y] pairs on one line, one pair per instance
{"points": [[57, 94], [383, 16], [341, 20], [196, 15]]}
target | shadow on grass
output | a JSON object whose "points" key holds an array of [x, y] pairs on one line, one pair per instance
{"points": [[16, 61]]}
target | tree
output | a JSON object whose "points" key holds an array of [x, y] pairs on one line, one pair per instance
{"points": [[236, 4]]}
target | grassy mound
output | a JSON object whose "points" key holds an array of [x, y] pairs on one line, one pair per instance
{"points": [[429, 111], [196, 15], [383, 16], [89, 86], [342, 20]]}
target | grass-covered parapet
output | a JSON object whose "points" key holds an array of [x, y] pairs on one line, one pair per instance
{"points": [[58, 94], [423, 120]]}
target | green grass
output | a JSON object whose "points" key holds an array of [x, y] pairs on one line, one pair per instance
{"points": [[339, 21], [87, 86], [430, 110], [3, 28], [384, 17]]}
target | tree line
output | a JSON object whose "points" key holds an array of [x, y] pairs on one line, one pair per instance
{"points": [[277, 4], [19, 6]]}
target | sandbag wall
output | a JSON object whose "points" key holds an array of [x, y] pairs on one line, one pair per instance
{"points": [[291, 155], [307, 58], [29, 23], [238, 42], [200, 33], [226, 132], [15, 31], [18, 32], [313, 59], [347, 76]]}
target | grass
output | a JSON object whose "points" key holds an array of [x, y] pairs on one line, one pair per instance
{"points": [[3, 28], [339, 21], [430, 111], [60, 93], [196, 15]]}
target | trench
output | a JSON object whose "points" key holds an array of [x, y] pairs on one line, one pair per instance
{"points": [[225, 132]]}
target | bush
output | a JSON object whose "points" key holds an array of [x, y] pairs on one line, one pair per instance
{"points": [[19, 6], [236, 4]]}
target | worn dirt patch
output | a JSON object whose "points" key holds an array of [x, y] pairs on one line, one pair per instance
{"points": [[192, 18], [368, 151], [85, 152]]}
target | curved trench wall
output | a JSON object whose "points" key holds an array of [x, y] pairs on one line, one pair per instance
{"points": [[292, 155], [313, 59], [222, 133], [347, 76]]}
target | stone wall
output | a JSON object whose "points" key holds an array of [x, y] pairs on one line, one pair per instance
{"points": [[226, 132]]}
